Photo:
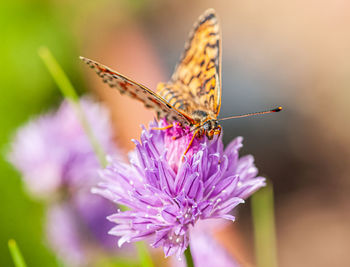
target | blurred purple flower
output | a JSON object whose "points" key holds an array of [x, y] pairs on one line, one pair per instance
{"points": [[77, 229], [206, 251], [53, 151], [63, 233], [58, 164], [166, 195]]}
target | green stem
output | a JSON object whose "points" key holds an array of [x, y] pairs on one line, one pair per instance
{"points": [[16, 254], [264, 227], [188, 256], [69, 93], [144, 256]]}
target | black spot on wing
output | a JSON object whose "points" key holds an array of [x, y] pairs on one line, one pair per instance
{"points": [[214, 45]]}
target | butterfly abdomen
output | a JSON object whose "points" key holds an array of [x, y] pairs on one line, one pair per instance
{"points": [[174, 96]]}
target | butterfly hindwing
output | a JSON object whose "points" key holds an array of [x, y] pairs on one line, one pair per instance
{"points": [[139, 92], [198, 74]]}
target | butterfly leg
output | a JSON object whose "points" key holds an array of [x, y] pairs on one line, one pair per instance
{"points": [[163, 128], [190, 143], [218, 130]]}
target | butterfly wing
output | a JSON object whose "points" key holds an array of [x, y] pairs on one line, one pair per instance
{"points": [[177, 96], [197, 77], [139, 92]]}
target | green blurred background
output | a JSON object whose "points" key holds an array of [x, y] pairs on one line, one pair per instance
{"points": [[27, 89], [290, 53]]}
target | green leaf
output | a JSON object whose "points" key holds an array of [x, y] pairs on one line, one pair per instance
{"points": [[264, 227], [70, 94], [16, 254], [58, 74]]}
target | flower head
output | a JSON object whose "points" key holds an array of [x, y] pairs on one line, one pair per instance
{"points": [[58, 164], [53, 152], [167, 195]]}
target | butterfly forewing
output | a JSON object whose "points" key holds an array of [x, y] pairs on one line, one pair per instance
{"points": [[194, 88], [197, 77], [139, 92]]}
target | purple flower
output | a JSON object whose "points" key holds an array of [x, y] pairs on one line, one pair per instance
{"points": [[63, 234], [206, 251], [167, 195], [77, 229], [53, 152], [58, 164]]}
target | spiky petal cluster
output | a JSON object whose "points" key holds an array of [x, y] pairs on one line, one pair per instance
{"points": [[167, 195]]}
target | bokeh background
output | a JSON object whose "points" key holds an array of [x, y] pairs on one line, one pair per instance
{"points": [[289, 53]]}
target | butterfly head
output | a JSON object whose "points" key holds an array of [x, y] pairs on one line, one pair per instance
{"points": [[211, 127]]}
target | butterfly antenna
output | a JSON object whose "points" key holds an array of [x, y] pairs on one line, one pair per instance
{"points": [[278, 109]]}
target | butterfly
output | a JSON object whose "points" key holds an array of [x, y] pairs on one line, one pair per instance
{"points": [[192, 97]]}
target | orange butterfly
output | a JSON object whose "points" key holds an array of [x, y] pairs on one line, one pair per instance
{"points": [[193, 95]]}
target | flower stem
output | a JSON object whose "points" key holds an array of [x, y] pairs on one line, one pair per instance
{"points": [[69, 93], [264, 227], [16, 254], [144, 257], [188, 256]]}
